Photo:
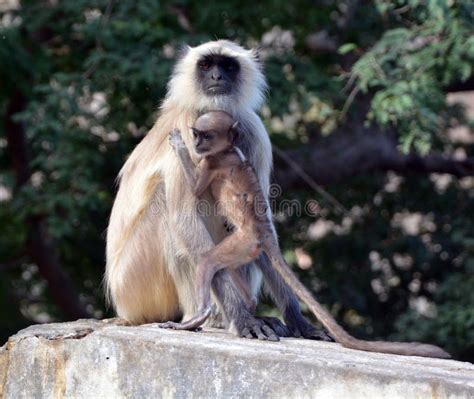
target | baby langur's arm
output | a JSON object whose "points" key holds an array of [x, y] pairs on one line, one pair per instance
{"points": [[204, 178], [189, 169], [198, 178]]}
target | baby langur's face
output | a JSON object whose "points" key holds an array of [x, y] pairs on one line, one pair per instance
{"points": [[212, 133]]}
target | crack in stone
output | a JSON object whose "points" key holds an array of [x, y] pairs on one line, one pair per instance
{"points": [[78, 334]]}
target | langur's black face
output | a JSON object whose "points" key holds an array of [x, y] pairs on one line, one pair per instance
{"points": [[218, 74]]}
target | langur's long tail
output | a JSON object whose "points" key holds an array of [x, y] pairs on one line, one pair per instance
{"points": [[339, 334]]}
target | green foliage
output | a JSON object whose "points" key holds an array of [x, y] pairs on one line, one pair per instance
{"points": [[427, 46], [92, 75]]}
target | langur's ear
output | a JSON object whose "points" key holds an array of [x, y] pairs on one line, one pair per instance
{"points": [[182, 51], [255, 53], [234, 132]]}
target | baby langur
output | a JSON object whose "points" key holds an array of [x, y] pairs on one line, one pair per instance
{"points": [[235, 187]]}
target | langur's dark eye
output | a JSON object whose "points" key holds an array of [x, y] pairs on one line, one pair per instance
{"points": [[204, 65], [195, 134], [206, 136]]}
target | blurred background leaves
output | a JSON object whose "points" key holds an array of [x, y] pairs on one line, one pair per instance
{"points": [[372, 99]]}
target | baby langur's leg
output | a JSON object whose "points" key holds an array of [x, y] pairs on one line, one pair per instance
{"points": [[205, 271], [227, 254]]}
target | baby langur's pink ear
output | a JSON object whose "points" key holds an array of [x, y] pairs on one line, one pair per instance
{"points": [[234, 132]]}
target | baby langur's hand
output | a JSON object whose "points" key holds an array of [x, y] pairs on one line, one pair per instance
{"points": [[176, 140]]}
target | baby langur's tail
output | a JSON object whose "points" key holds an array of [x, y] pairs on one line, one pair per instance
{"points": [[337, 332]]}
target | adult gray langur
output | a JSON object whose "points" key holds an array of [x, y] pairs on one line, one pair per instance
{"points": [[155, 232]]}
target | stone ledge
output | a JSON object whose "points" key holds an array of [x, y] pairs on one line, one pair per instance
{"points": [[92, 359]]}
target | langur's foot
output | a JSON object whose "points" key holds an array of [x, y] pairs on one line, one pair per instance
{"points": [[251, 327], [191, 325], [178, 326], [300, 327], [316, 334], [277, 325]]}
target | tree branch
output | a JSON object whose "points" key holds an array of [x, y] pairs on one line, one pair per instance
{"points": [[467, 85], [342, 155]]}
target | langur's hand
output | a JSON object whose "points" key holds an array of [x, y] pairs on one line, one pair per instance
{"points": [[176, 140]]}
